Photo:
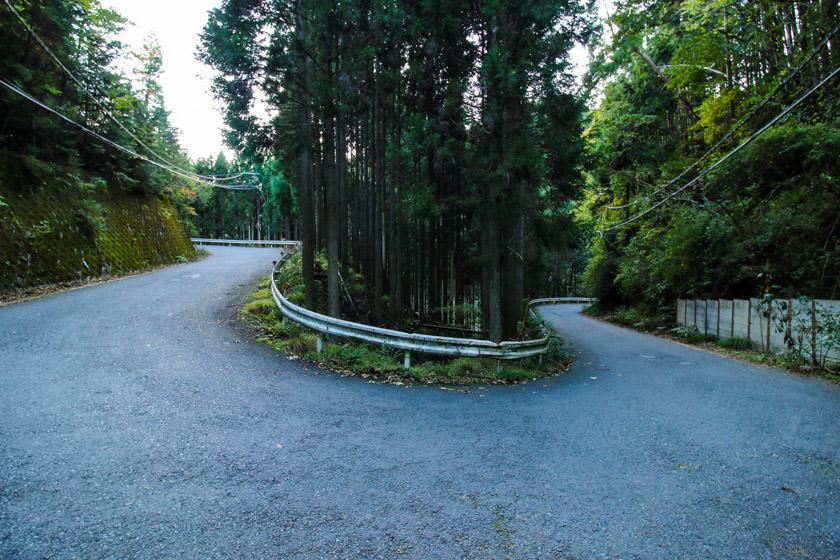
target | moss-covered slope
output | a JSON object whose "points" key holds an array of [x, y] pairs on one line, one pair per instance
{"points": [[59, 226]]}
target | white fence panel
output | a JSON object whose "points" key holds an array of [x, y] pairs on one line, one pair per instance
{"points": [[692, 313], [726, 308], [712, 308], [742, 318], [702, 325], [780, 325]]}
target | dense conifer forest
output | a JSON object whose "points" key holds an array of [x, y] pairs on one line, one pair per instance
{"points": [[434, 146]]}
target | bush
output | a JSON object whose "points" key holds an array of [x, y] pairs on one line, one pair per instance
{"points": [[691, 335], [736, 343]]}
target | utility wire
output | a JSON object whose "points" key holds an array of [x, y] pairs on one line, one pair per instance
{"points": [[83, 128], [737, 126], [732, 152], [102, 106]]}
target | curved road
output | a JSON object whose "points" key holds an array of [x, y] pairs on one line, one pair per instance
{"points": [[137, 421]]}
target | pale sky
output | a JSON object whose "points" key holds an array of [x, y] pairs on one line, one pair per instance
{"points": [[186, 81]]}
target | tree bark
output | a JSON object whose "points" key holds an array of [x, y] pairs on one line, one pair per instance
{"points": [[305, 171]]}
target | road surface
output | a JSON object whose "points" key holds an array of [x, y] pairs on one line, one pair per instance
{"points": [[137, 420]]}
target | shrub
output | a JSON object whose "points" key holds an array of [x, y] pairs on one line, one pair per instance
{"points": [[692, 335], [736, 343]]}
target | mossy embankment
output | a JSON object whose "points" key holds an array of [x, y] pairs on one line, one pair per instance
{"points": [[380, 363], [58, 226]]}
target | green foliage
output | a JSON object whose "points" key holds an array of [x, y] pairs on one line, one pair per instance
{"points": [[83, 36], [241, 214], [74, 207], [262, 307], [691, 335], [767, 214]]}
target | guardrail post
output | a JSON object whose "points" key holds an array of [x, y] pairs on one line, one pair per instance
{"points": [[498, 366], [319, 343], [407, 360]]}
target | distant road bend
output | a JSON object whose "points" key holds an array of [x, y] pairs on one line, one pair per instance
{"points": [[137, 420]]}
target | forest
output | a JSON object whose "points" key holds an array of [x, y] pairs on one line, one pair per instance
{"points": [[443, 162]]}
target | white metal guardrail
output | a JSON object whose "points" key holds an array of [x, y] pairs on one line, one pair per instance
{"points": [[557, 300], [414, 342], [243, 242]]}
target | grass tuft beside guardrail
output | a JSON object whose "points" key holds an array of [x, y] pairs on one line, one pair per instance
{"points": [[384, 364]]}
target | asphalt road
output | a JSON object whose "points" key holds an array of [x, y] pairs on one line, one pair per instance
{"points": [[136, 420]]}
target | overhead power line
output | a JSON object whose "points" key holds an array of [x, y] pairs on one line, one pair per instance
{"points": [[132, 153], [737, 125], [731, 153], [105, 109]]}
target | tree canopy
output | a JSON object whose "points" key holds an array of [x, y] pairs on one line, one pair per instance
{"points": [[82, 37]]}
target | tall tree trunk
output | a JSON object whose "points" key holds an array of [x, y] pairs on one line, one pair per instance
{"points": [[305, 172], [379, 179], [331, 212]]}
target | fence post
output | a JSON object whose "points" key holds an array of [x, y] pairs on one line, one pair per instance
{"points": [[685, 312], [732, 321], [769, 316], [718, 318], [695, 314], [749, 318], [789, 342]]}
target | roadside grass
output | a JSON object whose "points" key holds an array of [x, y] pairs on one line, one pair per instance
{"points": [[662, 324], [380, 363], [196, 256], [736, 343]]}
